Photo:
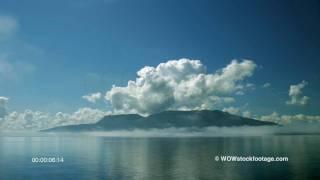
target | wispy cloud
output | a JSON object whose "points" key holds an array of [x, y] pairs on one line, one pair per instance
{"points": [[13, 70], [15, 53], [266, 85], [8, 27], [93, 98], [3, 106]]}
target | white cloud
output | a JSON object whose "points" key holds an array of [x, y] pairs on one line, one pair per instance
{"points": [[288, 119], [231, 110], [238, 111], [266, 85], [180, 84], [295, 94], [8, 27], [81, 116], [36, 120], [240, 93], [247, 114], [92, 97], [3, 106]]}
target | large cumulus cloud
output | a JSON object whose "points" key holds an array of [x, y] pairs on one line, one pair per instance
{"points": [[180, 84]]}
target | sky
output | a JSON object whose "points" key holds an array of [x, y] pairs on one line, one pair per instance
{"points": [[64, 56]]}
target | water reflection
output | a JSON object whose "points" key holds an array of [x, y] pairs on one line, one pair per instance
{"points": [[158, 158]]}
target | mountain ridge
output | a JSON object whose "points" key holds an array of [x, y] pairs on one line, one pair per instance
{"points": [[162, 120]]}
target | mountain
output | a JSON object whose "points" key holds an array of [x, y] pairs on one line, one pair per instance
{"points": [[166, 119]]}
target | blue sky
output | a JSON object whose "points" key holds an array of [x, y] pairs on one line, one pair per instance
{"points": [[62, 50]]}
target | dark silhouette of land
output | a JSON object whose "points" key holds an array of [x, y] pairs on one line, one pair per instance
{"points": [[166, 119]]}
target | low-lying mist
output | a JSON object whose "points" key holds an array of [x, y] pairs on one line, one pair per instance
{"points": [[305, 129]]}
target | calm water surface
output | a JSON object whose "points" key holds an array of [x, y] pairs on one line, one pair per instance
{"points": [[90, 157]]}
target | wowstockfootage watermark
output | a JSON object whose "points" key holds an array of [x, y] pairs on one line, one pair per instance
{"points": [[251, 159]]}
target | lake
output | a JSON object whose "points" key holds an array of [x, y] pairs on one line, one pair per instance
{"points": [[179, 158]]}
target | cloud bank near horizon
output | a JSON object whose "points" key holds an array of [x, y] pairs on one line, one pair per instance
{"points": [[182, 84], [35, 120]]}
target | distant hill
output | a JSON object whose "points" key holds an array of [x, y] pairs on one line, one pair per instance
{"points": [[166, 119]]}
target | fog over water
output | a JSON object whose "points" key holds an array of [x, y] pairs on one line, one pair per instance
{"points": [[313, 128]]}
